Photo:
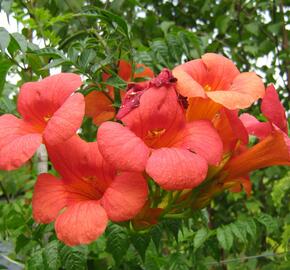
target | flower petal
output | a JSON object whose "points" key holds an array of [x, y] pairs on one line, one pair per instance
{"points": [[273, 109], [221, 71], [145, 72], [201, 138], [186, 85], [81, 223], [66, 120], [121, 147], [99, 107], [270, 151], [49, 198], [18, 142], [38, 100], [174, 168], [125, 197], [255, 127], [246, 88]]}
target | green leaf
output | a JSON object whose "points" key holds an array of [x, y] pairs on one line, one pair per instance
{"points": [[50, 52], [280, 190], [35, 261], [253, 28], [173, 226], [20, 40], [5, 65], [74, 258], [239, 231], [200, 237], [56, 63], [269, 222], [250, 226], [87, 57], [6, 5], [222, 23], [117, 242], [178, 261], [140, 242], [116, 82], [111, 17], [51, 256], [156, 234], [165, 25], [21, 242], [4, 39], [225, 237]]}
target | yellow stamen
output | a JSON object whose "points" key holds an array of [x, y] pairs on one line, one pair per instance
{"points": [[47, 118], [158, 132], [207, 87]]}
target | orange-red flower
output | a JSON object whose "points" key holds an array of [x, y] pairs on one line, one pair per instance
{"points": [[50, 113], [213, 82], [156, 137], [274, 145], [89, 193], [99, 104]]}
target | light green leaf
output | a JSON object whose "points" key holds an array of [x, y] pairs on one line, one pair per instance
{"points": [[4, 39], [20, 40], [269, 222], [51, 255], [225, 237], [200, 237]]}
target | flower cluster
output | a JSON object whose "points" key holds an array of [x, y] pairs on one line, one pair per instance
{"points": [[177, 141]]}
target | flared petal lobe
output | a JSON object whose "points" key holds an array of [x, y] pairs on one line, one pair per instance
{"points": [[122, 148], [273, 109], [81, 223], [255, 127], [202, 138], [65, 122], [38, 101], [220, 71], [125, 197], [175, 168], [49, 198], [18, 142], [245, 89]]}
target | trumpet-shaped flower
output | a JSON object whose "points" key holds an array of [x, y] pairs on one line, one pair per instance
{"points": [[89, 193], [50, 113], [99, 104], [213, 82], [156, 137], [274, 145]]}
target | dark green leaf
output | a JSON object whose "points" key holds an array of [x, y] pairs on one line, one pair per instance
{"points": [[140, 242], [74, 258], [117, 241], [5, 65]]}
